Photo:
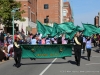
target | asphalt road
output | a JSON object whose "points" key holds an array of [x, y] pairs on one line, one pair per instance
{"points": [[54, 66]]}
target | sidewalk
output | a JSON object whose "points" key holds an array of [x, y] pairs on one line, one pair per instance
{"points": [[6, 61]]}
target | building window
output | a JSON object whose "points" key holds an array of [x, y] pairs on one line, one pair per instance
{"points": [[65, 6], [33, 18], [65, 12], [46, 6]]}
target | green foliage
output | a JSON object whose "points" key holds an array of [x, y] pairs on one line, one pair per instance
{"points": [[6, 6]]}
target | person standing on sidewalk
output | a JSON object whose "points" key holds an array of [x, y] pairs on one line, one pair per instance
{"points": [[88, 47]]}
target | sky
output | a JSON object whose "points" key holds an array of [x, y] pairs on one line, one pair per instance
{"points": [[84, 11]]}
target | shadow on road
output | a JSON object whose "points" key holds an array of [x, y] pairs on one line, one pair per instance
{"points": [[84, 57], [97, 51], [72, 62]]}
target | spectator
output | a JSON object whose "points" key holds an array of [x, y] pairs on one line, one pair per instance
{"points": [[43, 41], [28, 39], [7, 38], [64, 41], [48, 41], [7, 55], [33, 40], [2, 55]]}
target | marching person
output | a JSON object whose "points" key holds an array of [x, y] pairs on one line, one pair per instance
{"points": [[17, 51], [78, 40], [99, 42], [88, 47]]}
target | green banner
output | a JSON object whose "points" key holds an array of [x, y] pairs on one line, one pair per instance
{"points": [[90, 29], [46, 51]]}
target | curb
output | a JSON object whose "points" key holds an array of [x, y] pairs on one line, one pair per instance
{"points": [[6, 61]]}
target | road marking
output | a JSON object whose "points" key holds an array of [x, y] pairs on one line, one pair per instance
{"points": [[93, 63], [47, 67]]}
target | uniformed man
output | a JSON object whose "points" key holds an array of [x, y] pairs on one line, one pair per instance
{"points": [[17, 51], [78, 40]]}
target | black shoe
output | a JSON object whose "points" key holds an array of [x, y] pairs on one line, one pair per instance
{"points": [[32, 58], [19, 65], [64, 58], [88, 59], [15, 65], [78, 64]]}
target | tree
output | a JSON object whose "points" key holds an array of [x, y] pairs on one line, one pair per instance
{"points": [[6, 6]]}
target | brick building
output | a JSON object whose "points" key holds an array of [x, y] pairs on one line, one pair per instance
{"points": [[30, 8], [67, 12], [51, 8], [38, 10], [57, 10], [96, 21]]}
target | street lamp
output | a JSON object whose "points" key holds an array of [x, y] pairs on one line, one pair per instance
{"points": [[13, 14]]}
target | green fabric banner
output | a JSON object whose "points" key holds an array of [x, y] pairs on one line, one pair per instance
{"points": [[54, 30], [42, 29], [46, 51], [90, 29], [49, 29], [72, 34], [64, 28], [67, 28]]}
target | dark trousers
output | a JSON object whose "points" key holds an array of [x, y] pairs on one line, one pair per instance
{"points": [[95, 44], [88, 53], [77, 55], [84, 44], [17, 58]]}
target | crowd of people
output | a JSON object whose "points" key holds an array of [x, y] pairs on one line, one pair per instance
{"points": [[8, 48]]}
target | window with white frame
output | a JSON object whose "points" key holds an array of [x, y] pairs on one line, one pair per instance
{"points": [[65, 12]]}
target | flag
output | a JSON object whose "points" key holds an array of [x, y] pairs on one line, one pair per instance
{"points": [[71, 35], [48, 28], [79, 28], [90, 29], [42, 29], [54, 30], [66, 27]]}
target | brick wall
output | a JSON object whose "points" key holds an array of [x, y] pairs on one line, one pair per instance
{"points": [[53, 11], [68, 17], [96, 21]]}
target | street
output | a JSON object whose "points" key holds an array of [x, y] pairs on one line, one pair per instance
{"points": [[55, 66]]}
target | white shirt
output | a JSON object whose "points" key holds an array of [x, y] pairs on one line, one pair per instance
{"points": [[33, 41], [47, 41], [9, 47], [84, 39]]}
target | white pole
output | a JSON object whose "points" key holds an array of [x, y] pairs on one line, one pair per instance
{"points": [[61, 11]]}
